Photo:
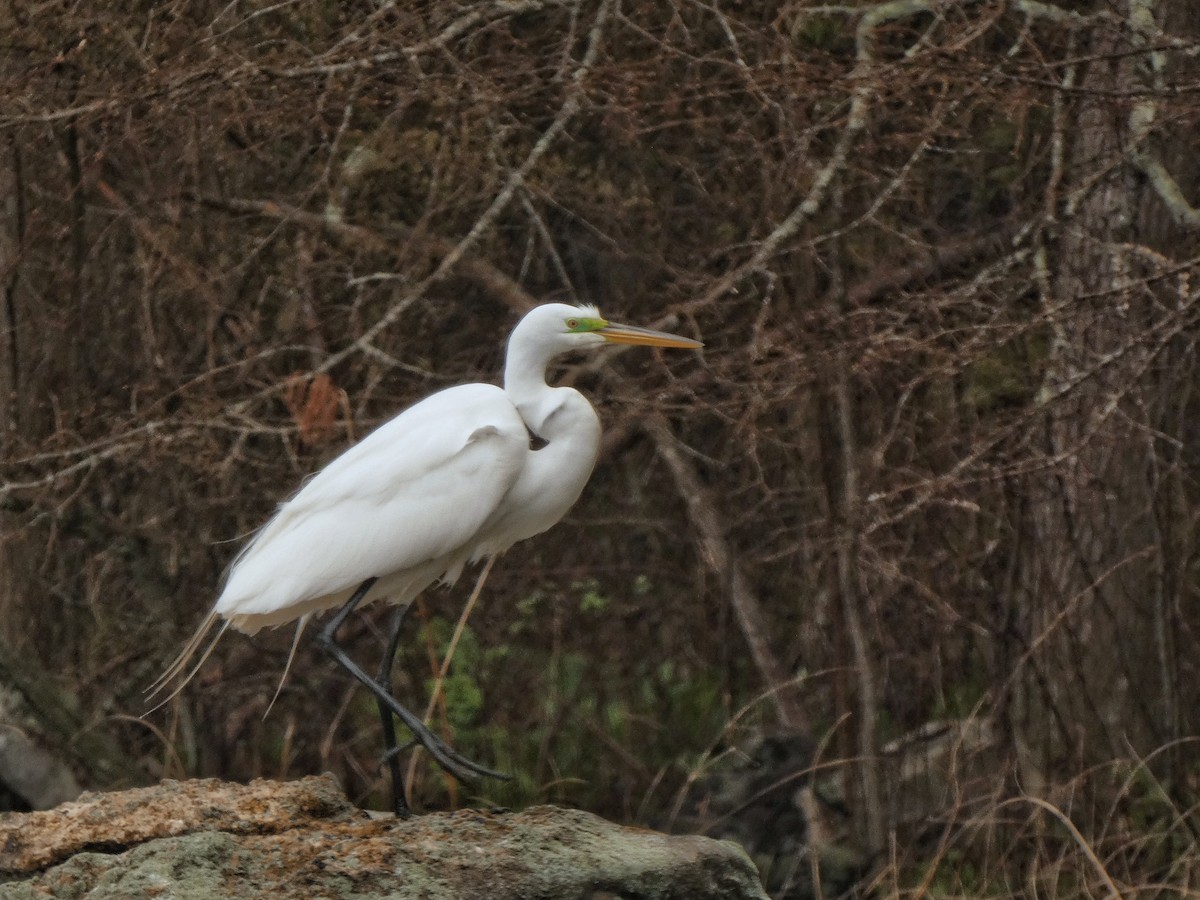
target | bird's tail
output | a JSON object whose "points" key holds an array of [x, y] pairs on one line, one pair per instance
{"points": [[179, 666], [291, 658]]}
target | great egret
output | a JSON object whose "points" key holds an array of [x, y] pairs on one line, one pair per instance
{"points": [[451, 480]]}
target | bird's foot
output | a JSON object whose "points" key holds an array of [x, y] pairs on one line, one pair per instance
{"points": [[459, 766]]}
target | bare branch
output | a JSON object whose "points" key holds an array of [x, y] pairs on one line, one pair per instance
{"points": [[1141, 123], [724, 564]]}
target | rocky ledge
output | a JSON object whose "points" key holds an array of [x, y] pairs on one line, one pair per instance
{"points": [[202, 839]]}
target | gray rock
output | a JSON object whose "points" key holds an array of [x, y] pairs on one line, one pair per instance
{"points": [[203, 839]]}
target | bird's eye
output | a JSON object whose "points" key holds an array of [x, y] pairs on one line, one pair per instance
{"points": [[572, 324]]}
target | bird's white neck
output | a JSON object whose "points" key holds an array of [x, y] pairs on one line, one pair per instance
{"points": [[554, 475], [525, 382]]}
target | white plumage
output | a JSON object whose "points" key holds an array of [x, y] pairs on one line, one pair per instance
{"points": [[449, 481], [376, 511]]}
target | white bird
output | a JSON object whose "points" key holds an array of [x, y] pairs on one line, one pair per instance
{"points": [[451, 480]]}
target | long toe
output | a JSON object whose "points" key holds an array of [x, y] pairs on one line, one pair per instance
{"points": [[454, 762], [464, 769], [477, 768]]}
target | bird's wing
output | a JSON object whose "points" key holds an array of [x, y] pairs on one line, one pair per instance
{"points": [[415, 490]]}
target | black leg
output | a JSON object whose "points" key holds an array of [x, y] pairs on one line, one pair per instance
{"points": [[451, 761], [391, 752]]}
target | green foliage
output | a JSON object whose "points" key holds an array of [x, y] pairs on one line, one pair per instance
{"points": [[586, 714], [827, 33], [527, 612], [960, 700], [591, 600], [953, 875], [1007, 375]]}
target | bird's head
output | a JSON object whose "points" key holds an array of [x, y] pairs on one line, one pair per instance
{"points": [[560, 327]]}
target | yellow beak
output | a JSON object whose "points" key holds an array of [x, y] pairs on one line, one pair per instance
{"points": [[631, 334]]}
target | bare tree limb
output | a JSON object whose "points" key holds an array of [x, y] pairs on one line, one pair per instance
{"points": [[12, 223], [359, 237], [856, 120], [1141, 124], [724, 564], [571, 105], [940, 258], [479, 15]]}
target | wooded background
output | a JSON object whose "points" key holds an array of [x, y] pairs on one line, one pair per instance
{"points": [[931, 482]]}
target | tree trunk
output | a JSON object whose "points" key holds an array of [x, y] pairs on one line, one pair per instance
{"points": [[1097, 592]]}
